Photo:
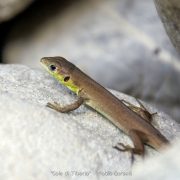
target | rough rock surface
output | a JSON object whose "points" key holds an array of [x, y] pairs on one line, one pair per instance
{"points": [[9, 8], [121, 44], [169, 11], [39, 143], [166, 166]]}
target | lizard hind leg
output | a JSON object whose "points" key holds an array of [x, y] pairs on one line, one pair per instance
{"points": [[147, 115], [141, 111], [138, 145]]}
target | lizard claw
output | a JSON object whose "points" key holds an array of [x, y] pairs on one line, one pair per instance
{"points": [[51, 105], [125, 147], [55, 103]]}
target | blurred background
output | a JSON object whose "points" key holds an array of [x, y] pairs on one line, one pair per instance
{"points": [[120, 43]]}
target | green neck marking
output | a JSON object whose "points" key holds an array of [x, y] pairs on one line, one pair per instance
{"points": [[68, 84]]}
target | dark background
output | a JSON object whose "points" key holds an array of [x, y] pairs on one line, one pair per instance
{"points": [[37, 7]]}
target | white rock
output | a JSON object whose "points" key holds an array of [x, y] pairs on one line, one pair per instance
{"points": [[40, 143], [166, 166]]}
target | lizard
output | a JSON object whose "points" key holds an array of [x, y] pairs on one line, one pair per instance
{"points": [[94, 95]]}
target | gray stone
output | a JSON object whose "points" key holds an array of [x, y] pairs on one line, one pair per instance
{"points": [[169, 11], [122, 44], [10, 8], [39, 143]]}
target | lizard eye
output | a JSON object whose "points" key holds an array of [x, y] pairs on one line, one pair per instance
{"points": [[66, 79], [52, 67]]}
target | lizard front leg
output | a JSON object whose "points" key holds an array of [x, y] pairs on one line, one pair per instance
{"points": [[66, 108]]}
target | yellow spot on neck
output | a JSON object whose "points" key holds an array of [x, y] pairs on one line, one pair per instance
{"points": [[70, 84]]}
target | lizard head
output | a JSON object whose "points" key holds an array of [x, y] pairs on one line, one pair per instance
{"points": [[61, 69]]}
